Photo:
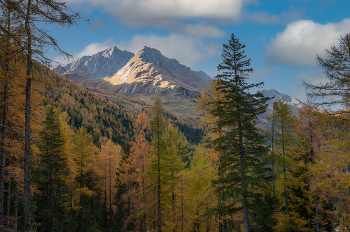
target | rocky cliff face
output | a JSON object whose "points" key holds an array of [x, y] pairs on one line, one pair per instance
{"points": [[99, 65], [149, 72]]}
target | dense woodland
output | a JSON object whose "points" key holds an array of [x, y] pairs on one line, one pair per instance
{"points": [[73, 161]]}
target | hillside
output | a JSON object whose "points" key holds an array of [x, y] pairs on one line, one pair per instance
{"points": [[106, 114]]}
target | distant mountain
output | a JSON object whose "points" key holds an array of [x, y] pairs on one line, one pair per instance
{"points": [[103, 64], [205, 77], [149, 72], [292, 101]]}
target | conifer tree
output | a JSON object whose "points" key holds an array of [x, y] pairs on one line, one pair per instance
{"points": [[158, 148], [283, 120], [51, 173], [240, 145]]}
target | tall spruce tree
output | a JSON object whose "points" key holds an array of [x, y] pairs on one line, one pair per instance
{"points": [[50, 173], [240, 144]]}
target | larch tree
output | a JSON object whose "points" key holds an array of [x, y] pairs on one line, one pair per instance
{"points": [[241, 171], [84, 158], [158, 148], [108, 160], [32, 44], [139, 162], [284, 121]]}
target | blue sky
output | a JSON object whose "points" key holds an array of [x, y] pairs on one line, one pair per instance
{"points": [[282, 38]]}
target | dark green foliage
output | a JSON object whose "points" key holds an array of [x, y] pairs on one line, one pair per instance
{"points": [[100, 117], [193, 135], [50, 175], [241, 172]]}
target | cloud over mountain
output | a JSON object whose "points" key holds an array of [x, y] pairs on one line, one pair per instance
{"points": [[186, 49], [302, 40]]}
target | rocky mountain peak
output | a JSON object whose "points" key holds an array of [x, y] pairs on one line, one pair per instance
{"points": [[102, 64], [151, 55]]}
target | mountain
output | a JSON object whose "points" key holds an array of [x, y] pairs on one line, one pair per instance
{"points": [[205, 77], [292, 101], [103, 64], [149, 73]]}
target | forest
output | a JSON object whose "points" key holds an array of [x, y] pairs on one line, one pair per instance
{"points": [[74, 161]]}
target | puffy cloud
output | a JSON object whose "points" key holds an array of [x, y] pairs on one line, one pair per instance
{"points": [[314, 77], [202, 31], [187, 50], [139, 11], [302, 40], [284, 17], [172, 15], [261, 72]]}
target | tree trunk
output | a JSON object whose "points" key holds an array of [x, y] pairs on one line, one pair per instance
{"points": [[243, 181], [273, 161], [52, 192], [8, 204], [4, 130], [3, 152], [93, 198], [285, 179], [16, 208], [27, 175], [110, 194], [313, 162], [158, 183]]}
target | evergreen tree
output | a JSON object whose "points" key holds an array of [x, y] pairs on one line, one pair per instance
{"points": [[51, 173], [240, 144], [158, 148]]}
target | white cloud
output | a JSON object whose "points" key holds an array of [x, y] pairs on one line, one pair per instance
{"points": [[310, 77], [302, 40], [172, 15], [261, 72], [157, 9], [187, 50], [202, 31], [265, 17]]}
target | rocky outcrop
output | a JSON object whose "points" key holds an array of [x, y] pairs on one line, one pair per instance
{"points": [[99, 65]]}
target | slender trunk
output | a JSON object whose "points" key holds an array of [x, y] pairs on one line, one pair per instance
{"points": [[220, 224], [93, 198], [273, 160], [27, 175], [52, 191], [106, 205], [16, 208], [143, 195], [182, 209], [8, 203], [313, 162], [158, 183], [110, 193], [3, 129], [3, 152], [243, 181], [285, 179]]}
